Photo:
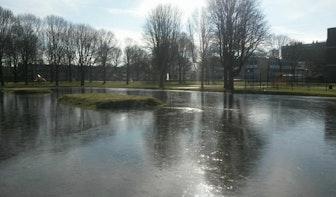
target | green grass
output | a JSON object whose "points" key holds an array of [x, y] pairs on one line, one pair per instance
{"points": [[109, 101], [28, 90], [283, 88], [114, 84], [292, 92]]}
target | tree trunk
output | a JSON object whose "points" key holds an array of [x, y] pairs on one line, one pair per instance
{"points": [[228, 74], [161, 80], [127, 73], [104, 74], [90, 73], [180, 71], [230, 79], [57, 74], [25, 64], [51, 73], [225, 76], [15, 74], [1, 72], [1, 75], [202, 76], [70, 72], [206, 75], [82, 73]]}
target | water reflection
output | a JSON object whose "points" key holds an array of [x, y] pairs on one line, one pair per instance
{"points": [[330, 124], [20, 122], [229, 148], [27, 121], [200, 144]]}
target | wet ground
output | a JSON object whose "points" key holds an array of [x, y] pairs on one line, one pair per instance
{"points": [[200, 144]]}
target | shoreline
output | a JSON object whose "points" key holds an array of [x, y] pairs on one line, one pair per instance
{"points": [[315, 91]]}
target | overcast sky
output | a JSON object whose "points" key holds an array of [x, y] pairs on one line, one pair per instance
{"points": [[302, 20]]}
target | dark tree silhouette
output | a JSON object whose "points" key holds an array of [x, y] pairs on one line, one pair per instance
{"points": [[28, 32], [6, 22], [240, 28], [161, 30], [105, 51]]}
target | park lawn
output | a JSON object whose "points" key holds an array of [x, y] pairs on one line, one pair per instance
{"points": [[283, 89], [113, 84], [109, 101], [295, 91]]}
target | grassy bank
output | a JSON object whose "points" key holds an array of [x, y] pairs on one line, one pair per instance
{"points": [[114, 84], [240, 87], [109, 101], [28, 90], [289, 92]]}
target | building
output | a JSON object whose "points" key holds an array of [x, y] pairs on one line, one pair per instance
{"points": [[319, 58], [311, 53], [330, 68], [273, 70], [312, 57]]}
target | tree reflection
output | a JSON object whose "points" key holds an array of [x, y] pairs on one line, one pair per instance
{"points": [[163, 142], [20, 120], [218, 140], [174, 129], [33, 121], [330, 124], [230, 148]]}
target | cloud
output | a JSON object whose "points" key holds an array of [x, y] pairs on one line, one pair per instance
{"points": [[298, 10], [304, 20], [42, 8], [286, 30], [123, 34], [297, 20], [117, 11], [301, 33]]}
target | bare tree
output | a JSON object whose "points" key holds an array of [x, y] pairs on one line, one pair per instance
{"points": [[70, 48], [55, 31], [141, 63], [276, 42], [204, 30], [161, 30], [28, 32], [13, 51], [240, 28], [185, 51], [6, 22], [129, 54], [105, 50], [136, 61], [93, 48], [116, 56], [85, 37]]}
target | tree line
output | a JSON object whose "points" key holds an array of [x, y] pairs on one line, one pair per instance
{"points": [[224, 34], [27, 39]]}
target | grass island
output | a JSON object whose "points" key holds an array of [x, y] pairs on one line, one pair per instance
{"points": [[109, 101], [28, 90]]}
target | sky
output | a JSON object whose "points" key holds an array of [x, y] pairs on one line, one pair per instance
{"points": [[301, 20]]}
